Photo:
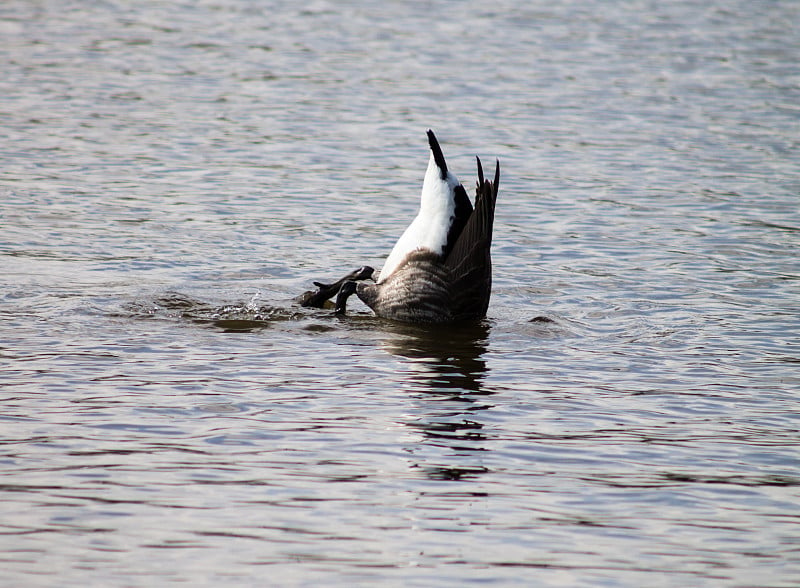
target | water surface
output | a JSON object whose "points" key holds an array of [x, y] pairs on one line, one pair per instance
{"points": [[174, 174]]}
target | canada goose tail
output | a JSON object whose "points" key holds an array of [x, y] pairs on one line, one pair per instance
{"points": [[438, 156], [443, 212], [459, 214]]}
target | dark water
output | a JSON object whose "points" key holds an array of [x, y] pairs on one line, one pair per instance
{"points": [[174, 173]]}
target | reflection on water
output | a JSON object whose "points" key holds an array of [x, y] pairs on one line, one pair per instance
{"points": [[448, 359], [446, 365]]}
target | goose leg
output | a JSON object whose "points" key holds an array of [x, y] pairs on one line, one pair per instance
{"points": [[347, 290], [326, 291]]}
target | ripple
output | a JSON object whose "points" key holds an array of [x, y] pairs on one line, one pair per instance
{"points": [[175, 175]]}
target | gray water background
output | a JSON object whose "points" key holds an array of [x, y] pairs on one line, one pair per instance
{"points": [[174, 173]]}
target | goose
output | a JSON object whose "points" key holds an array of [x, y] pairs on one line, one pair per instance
{"points": [[440, 270]]}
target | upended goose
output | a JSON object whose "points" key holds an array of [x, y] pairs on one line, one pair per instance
{"points": [[440, 270]]}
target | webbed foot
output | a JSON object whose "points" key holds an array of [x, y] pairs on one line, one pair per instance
{"points": [[325, 292], [347, 290]]}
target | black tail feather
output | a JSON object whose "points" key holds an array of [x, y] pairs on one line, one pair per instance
{"points": [[438, 156]]}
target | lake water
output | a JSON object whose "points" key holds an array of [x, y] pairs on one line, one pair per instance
{"points": [[175, 173]]}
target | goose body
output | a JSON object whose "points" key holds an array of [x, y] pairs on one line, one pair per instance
{"points": [[440, 270]]}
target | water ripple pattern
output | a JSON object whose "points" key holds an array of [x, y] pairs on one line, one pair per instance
{"points": [[174, 174]]}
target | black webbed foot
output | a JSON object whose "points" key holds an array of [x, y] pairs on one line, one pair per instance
{"points": [[347, 290], [326, 291]]}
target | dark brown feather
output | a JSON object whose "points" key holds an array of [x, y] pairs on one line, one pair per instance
{"points": [[470, 262]]}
